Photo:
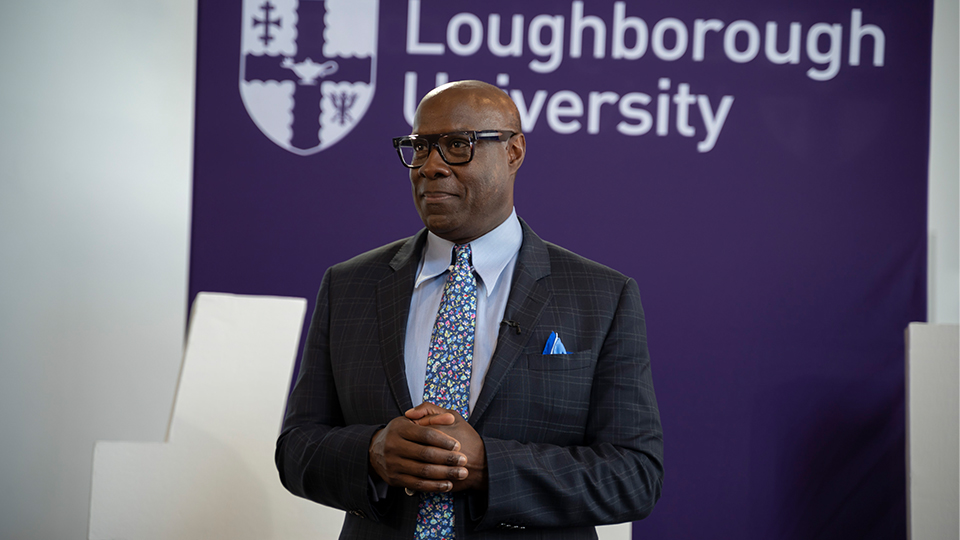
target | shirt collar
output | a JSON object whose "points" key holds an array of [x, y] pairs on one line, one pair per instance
{"points": [[490, 253]]}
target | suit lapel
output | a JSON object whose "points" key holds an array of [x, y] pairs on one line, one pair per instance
{"points": [[393, 306], [528, 297]]}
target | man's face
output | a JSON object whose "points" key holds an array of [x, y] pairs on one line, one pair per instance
{"points": [[462, 202]]}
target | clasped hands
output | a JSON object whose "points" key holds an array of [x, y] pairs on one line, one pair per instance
{"points": [[429, 449]]}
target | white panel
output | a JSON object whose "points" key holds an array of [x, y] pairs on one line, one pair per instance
{"points": [[615, 532], [933, 421], [215, 476]]}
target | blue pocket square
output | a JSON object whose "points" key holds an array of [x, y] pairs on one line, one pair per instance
{"points": [[554, 345]]}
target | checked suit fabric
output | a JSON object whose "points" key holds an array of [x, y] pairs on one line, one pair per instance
{"points": [[447, 382]]}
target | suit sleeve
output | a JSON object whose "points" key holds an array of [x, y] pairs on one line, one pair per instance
{"points": [[614, 474], [318, 456]]}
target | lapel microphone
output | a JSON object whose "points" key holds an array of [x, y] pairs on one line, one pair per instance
{"points": [[512, 324]]}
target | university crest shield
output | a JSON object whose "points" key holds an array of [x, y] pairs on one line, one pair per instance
{"points": [[308, 68]]}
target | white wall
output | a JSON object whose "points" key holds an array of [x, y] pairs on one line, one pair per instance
{"points": [[943, 278], [95, 149], [95, 159]]}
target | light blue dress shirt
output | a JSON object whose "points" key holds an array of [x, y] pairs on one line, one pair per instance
{"points": [[494, 257]]}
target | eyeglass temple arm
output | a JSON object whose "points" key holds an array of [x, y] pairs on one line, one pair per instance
{"points": [[493, 135]]}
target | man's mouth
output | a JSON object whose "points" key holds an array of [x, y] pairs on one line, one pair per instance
{"points": [[437, 196]]}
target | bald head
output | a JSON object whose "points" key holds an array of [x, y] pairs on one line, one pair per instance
{"points": [[493, 103]]}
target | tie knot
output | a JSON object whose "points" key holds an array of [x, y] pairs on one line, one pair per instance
{"points": [[462, 253]]}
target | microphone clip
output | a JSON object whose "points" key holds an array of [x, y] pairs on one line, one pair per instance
{"points": [[512, 324]]}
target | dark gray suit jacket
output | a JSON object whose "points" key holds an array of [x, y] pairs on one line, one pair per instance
{"points": [[572, 441]]}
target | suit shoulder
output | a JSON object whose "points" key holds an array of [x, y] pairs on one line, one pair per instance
{"points": [[563, 260], [371, 263]]}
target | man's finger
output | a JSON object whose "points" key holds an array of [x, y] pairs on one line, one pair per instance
{"points": [[425, 409], [428, 472], [444, 419], [431, 437], [412, 485], [432, 455]]}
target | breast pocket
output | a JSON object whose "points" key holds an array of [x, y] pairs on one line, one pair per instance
{"points": [[560, 386], [560, 362]]}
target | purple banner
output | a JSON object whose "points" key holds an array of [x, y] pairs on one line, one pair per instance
{"points": [[759, 169]]}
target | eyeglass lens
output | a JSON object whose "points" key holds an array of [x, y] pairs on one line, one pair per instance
{"points": [[455, 148]]}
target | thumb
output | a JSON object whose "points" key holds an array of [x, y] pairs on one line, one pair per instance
{"points": [[427, 414]]}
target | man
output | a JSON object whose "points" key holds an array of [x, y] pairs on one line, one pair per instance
{"points": [[506, 440]]}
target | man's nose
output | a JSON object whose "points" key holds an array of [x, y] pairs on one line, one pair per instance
{"points": [[434, 166]]}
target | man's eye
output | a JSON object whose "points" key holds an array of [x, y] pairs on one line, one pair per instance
{"points": [[420, 146], [459, 144]]}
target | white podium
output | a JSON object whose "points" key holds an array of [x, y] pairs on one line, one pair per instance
{"points": [[933, 421], [214, 477]]}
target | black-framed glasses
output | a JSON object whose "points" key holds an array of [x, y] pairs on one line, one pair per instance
{"points": [[456, 148]]}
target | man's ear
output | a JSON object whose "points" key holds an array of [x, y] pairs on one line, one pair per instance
{"points": [[516, 150]]}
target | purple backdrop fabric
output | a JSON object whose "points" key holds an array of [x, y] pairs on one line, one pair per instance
{"points": [[779, 262]]}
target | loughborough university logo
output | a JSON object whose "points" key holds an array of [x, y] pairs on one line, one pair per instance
{"points": [[308, 68]]}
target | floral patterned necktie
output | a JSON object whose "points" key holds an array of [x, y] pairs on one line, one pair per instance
{"points": [[447, 383]]}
